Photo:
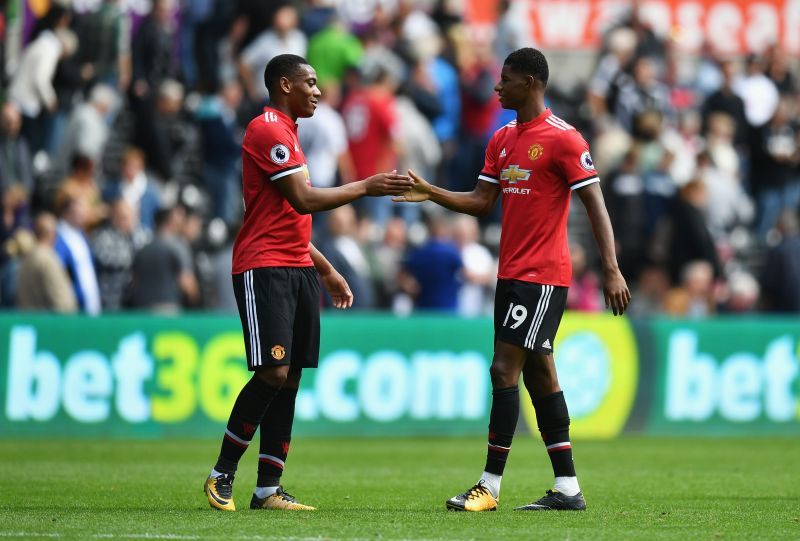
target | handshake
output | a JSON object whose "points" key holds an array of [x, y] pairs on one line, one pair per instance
{"points": [[409, 188]]}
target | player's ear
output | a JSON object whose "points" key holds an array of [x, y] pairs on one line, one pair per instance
{"points": [[286, 85]]}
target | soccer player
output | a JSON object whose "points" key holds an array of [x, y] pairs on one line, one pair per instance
{"points": [[536, 162], [276, 273]]}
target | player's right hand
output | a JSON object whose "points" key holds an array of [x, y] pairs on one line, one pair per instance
{"points": [[387, 184], [420, 191]]}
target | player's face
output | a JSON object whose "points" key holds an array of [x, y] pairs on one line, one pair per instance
{"points": [[513, 88], [304, 94]]}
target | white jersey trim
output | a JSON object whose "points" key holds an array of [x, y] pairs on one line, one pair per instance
{"points": [[286, 173], [488, 179], [585, 183]]}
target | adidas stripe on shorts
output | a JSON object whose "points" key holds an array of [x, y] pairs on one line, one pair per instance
{"points": [[528, 314]]}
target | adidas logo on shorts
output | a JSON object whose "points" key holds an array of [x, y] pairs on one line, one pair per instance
{"points": [[546, 344]]}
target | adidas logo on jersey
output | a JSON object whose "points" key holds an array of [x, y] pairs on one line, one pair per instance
{"points": [[503, 153], [546, 344]]}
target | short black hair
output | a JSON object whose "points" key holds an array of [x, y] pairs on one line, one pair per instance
{"points": [[529, 61], [283, 65]]}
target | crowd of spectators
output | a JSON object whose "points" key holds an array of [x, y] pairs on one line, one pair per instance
{"points": [[120, 155]]}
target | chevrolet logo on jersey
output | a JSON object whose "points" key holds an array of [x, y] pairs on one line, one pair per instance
{"points": [[514, 174]]}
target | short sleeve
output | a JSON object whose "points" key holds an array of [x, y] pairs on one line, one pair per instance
{"points": [[274, 150], [490, 171], [576, 162]]}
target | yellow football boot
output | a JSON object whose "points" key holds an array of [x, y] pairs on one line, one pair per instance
{"points": [[281, 500], [219, 491], [478, 498]]}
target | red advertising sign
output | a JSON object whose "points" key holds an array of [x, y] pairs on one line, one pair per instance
{"points": [[730, 26]]}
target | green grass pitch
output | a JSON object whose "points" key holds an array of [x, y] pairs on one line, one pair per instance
{"points": [[390, 489]]}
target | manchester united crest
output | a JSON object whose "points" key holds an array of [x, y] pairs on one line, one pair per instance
{"points": [[535, 152], [278, 352]]}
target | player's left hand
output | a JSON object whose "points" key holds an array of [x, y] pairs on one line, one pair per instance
{"points": [[338, 289], [616, 292]]}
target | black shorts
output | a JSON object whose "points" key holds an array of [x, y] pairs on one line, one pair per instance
{"points": [[528, 314], [279, 309]]}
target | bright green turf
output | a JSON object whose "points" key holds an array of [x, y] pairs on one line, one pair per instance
{"points": [[637, 488]]}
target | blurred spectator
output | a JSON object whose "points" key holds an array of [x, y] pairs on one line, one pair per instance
{"points": [[479, 272], [114, 246], [758, 92], [610, 74], [15, 157], [87, 131], [653, 284], [725, 100], [513, 28], [222, 149], [386, 257], [742, 293], [31, 86], [480, 106], [282, 38], [624, 192], [152, 51], [73, 249], [332, 51], [136, 188], [584, 294], [774, 177], [779, 279], [778, 70], [105, 44], [690, 240], [728, 204], [694, 297], [155, 127], [422, 152], [643, 92], [684, 144], [80, 184], [161, 276], [15, 219], [42, 282], [373, 136], [347, 255], [655, 162], [436, 268]]}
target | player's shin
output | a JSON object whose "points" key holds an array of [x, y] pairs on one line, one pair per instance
{"points": [[502, 423], [553, 419], [276, 435], [248, 410]]}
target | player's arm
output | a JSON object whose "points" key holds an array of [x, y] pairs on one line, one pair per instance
{"points": [[478, 202], [306, 199], [615, 289], [334, 282]]}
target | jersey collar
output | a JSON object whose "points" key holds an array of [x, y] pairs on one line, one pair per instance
{"points": [[535, 121], [283, 117]]}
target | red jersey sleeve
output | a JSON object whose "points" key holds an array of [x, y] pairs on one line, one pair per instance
{"points": [[491, 169], [274, 149], [575, 161]]}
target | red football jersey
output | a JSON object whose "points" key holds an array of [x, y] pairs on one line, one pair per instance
{"points": [[273, 234], [537, 164]]}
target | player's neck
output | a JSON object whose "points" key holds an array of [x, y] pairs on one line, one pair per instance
{"points": [[530, 110], [283, 108]]}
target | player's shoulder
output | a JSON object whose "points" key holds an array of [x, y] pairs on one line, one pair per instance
{"points": [[562, 131], [267, 125]]}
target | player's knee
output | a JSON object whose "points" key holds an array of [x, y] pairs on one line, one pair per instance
{"points": [[274, 376], [503, 375], [293, 379]]}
